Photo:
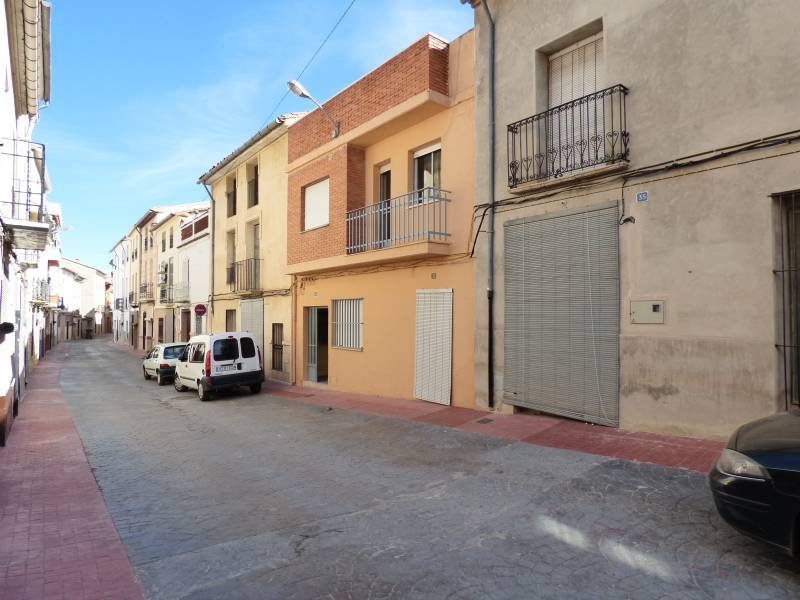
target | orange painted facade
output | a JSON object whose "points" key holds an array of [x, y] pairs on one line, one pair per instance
{"points": [[399, 224]]}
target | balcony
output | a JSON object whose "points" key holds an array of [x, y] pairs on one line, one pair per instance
{"points": [[245, 275], [418, 216], [133, 299], [25, 215], [146, 292], [28, 258], [119, 303], [180, 293], [165, 293], [573, 138]]}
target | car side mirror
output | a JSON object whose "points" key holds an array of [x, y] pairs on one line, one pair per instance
{"points": [[183, 357]]}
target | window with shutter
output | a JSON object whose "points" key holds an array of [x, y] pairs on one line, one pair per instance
{"points": [[316, 203]]}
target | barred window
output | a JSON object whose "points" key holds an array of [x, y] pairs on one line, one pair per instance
{"points": [[348, 324]]}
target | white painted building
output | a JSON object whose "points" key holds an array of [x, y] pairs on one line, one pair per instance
{"points": [[25, 226], [120, 278], [193, 276]]}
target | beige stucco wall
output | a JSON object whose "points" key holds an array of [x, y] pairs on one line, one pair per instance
{"points": [[705, 242], [270, 213]]}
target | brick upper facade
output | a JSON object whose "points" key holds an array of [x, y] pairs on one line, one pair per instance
{"points": [[422, 66]]}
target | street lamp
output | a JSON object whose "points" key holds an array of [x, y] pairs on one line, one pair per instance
{"points": [[298, 90]]}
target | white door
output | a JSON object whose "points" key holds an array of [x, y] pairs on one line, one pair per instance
{"points": [[433, 360]]}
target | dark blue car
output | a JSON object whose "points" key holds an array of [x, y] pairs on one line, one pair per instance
{"points": [[756, 480]]}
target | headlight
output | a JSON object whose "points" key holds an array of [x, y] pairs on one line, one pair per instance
{"points": [[733, 463]]}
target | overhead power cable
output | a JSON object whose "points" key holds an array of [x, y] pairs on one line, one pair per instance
{"points": [[311, 60]]}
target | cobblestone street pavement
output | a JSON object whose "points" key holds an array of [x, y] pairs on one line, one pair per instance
{"points": [[263, 497]]}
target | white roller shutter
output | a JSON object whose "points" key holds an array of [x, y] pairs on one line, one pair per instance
{"points": [[433, 360], [253, 319], [316, 204], [562, 315]]}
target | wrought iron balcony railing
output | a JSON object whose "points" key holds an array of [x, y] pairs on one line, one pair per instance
{"points": [[165, 293], [40, 291], [245, 275], [414, 217], [145, 292], [119, 303], [133, 299], [580, 134]]}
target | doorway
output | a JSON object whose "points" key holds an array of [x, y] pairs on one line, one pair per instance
{"points": [[186, 319], [384, 225], [316, 321]]}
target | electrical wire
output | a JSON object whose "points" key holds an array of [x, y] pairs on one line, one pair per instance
{"points": [[311, 60]]}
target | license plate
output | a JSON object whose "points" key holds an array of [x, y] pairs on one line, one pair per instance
{"points": [[223, 368]]}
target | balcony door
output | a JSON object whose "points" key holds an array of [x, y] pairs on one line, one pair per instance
{"points": [[576, 118], [384, 224]]}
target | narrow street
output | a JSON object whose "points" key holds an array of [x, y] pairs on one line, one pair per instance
{"points": [[266, 497]]}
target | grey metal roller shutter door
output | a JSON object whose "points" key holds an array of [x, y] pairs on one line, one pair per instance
{"points": [[562, 315]]}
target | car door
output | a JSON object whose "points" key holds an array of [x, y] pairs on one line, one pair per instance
{"points": [[249, 352], [225, 355], [182, 367], [151, 361], [196, 363]]}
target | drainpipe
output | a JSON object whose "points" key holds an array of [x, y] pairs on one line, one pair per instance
{"points": [[211, 295], [490, 221]]}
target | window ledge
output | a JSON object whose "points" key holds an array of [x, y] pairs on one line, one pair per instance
{"points": [[590, 173], [318, 227]]}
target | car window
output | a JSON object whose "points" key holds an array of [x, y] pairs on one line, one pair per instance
{"points": [[199, 353], [173, 351], [226, 349], [187, 352], [153, 353], [248, 347]]}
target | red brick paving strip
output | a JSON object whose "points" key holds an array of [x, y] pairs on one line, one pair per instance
{"points": [[57, 539]]}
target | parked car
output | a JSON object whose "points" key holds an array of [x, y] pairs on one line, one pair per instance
{"points": [[160, 362], [217, 361], [756, 480]]}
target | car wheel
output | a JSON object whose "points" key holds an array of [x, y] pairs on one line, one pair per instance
{"points": [[178, 386], [203, 392], [160, 379], [146, 376], [255, 388]]}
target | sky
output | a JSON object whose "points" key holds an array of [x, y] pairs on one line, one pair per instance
{"points": [[147, 95]]}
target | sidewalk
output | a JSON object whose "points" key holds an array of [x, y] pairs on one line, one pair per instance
{"points": [[668, 451], [57, 539]]}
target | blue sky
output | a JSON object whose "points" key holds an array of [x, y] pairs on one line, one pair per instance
{"points": [[147, 95]]}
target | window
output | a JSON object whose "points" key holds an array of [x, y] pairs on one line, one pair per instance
{"points": [[231, 196], [230, 320], [573, 71], [316, 204], [230, 255], [161, 330], [252, 185], [198, 324], [198, 353], [427, 169], [348, 324], [173, 351], [227, 349], [171, 237], [248, 347], [163, 241]]}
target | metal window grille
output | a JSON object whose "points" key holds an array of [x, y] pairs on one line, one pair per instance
{"points": [[789, 290], [348, 323], [277, 346]]}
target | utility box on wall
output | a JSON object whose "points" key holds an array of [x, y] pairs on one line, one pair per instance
{"points": [[647, 312]]}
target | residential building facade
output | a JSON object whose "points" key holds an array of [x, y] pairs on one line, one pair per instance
{"points": [[379, 230], [250, 284], [192, 288], [120, 278], [25, 229], [643, 212]]}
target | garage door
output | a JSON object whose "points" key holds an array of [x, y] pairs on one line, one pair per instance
{"points": [[253, 319], [433, 356], [562, 314]]}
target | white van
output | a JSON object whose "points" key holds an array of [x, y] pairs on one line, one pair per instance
{"points": [[217, 361]]}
